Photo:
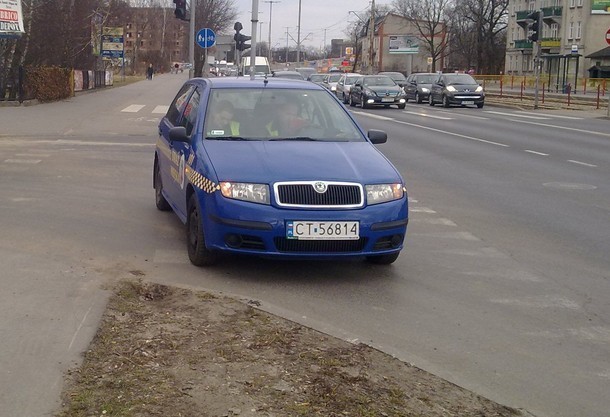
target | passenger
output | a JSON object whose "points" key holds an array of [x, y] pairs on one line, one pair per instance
{"points": [[221, 120], [287, 122]]}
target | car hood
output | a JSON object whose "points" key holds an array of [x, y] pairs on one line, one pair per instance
{"points": [[382, 89], [273, 161]]}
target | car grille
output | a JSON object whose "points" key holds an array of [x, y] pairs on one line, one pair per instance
{"points": [[337, 195], [319, 246]]}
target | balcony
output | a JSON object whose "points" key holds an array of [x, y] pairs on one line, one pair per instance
{"points": [[522, 15], [550, 43], [550, 12], [523, 44]]}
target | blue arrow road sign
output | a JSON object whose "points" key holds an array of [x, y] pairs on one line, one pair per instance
{"points": [[206, 38]]}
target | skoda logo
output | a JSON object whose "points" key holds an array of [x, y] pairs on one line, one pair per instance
{"points": [[320, 187]]}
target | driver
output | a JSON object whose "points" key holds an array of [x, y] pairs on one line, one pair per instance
{"points": [[287, 121]]}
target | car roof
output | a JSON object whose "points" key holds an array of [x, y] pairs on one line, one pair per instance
{"points": [[258, 82]]}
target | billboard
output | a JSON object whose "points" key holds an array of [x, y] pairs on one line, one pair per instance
{"points": [[112, 43], [403, 44], [600, 6], [11, 18]]}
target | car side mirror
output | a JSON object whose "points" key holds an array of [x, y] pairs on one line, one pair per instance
{"points": [[178, 134], [377, 136]]}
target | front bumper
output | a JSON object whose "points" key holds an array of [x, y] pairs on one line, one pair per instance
{"points": [[463, 99], [256, 229], [384, 101]]}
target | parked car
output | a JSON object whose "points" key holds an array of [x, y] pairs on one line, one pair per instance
{"points": [[344, 85], [398, 77], [330, 81], [456, 89], [293, 75], [370, 90], [418, 86], [316, 78], [276, 168]]}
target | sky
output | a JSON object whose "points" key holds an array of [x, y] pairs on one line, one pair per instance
{"points": [[316, 16]]}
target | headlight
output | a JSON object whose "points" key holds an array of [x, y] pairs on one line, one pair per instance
{"points": [[425, 90], [451, 88], [382, 193], [369, 92], [479, 89], [255, 193], [333, 88]]}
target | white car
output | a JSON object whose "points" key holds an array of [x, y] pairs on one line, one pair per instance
{"points": [[344, 86]]}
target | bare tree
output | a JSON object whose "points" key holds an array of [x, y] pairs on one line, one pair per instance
{"points": [[486, 20], [430, 17]]}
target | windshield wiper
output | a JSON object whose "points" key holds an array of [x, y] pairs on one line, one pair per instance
{"points": [[301, 138], [225, 138]]}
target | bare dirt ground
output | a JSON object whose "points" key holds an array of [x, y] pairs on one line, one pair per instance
{"points": [[163, 351]]}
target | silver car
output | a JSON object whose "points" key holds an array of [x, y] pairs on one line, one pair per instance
{"points": [[344, 86], [331, 80]]}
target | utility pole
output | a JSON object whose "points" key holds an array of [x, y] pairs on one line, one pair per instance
{"points": [[192, 41], [270, 14], [372, 38], [287, 34], [299, 37], [254, 39]]}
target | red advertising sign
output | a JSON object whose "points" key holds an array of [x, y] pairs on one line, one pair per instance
{"points": [[608, 36]]}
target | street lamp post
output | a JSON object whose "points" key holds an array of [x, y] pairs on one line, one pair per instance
{"points": [[270, 13]]}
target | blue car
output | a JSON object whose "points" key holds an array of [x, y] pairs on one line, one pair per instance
{"points": [[276, 168]]}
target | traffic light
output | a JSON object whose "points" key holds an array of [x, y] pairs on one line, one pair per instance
{"points": [[533, 26], [180, 11], [240, 38]]}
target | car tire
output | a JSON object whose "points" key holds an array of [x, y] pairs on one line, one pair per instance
{"points": [[445, 101], [160, 201], [431, 100], [402, 106], [480, 105], [351, 101], [418, 98], [362, 103], [199, 254], [383, 259]]}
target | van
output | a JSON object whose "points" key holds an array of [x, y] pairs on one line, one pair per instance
{"points": [[261, 65]]}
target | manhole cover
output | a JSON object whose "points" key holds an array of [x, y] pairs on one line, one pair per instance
{"points": [[569, 186]]}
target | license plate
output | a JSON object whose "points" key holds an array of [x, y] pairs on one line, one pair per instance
{"points": [[468, 102], [315, 230], [387, 100]]}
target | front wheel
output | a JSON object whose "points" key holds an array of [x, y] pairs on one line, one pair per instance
{"points": [[383, 259], [402, 106], [362, 103], [351, 101], [418, 98], [195, 236], [480, 105], [160, 201], [430, 100], [445, 101]]}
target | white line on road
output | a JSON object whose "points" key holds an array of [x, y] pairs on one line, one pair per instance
{"points": [[374, 116], [556, 116], [465, 115], [160, 109], [562, 127], [582, 163], [22, 161], [134, 108], [536, 153], [517, 115], [428, 115], [453, 134]]}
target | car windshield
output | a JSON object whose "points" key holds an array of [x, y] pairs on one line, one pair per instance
{"points": [[396, 76], [247, 114], [426, 79], [351, 80], [316, 77], [291, 75], [334, 78], [459, 79], [380, 80]]}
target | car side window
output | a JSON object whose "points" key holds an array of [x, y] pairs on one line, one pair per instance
{"points": [[190, 112], [175, 110]]}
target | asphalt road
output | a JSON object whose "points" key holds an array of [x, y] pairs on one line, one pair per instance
{"points": [[503, 287]]}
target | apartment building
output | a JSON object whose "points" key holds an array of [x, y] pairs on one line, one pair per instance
{"points": [[572, 39], [154, 35]]}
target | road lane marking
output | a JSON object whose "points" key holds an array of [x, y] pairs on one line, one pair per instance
{"points": [[465, 115], [562, 127], [422, 210], [450, 235], [428, 115], [518, 115], [435, 221], [23, 161], [558, 116], [539, 302], [160, 109], [134, 108], [536, 153], [374, 116], [582, 163], [453, 134]]}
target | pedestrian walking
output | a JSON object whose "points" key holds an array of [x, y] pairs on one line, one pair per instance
{"points": [[149, 72]]}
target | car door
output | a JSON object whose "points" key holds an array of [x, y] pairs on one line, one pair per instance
{"points": [[356, 91], [183, 112]]}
